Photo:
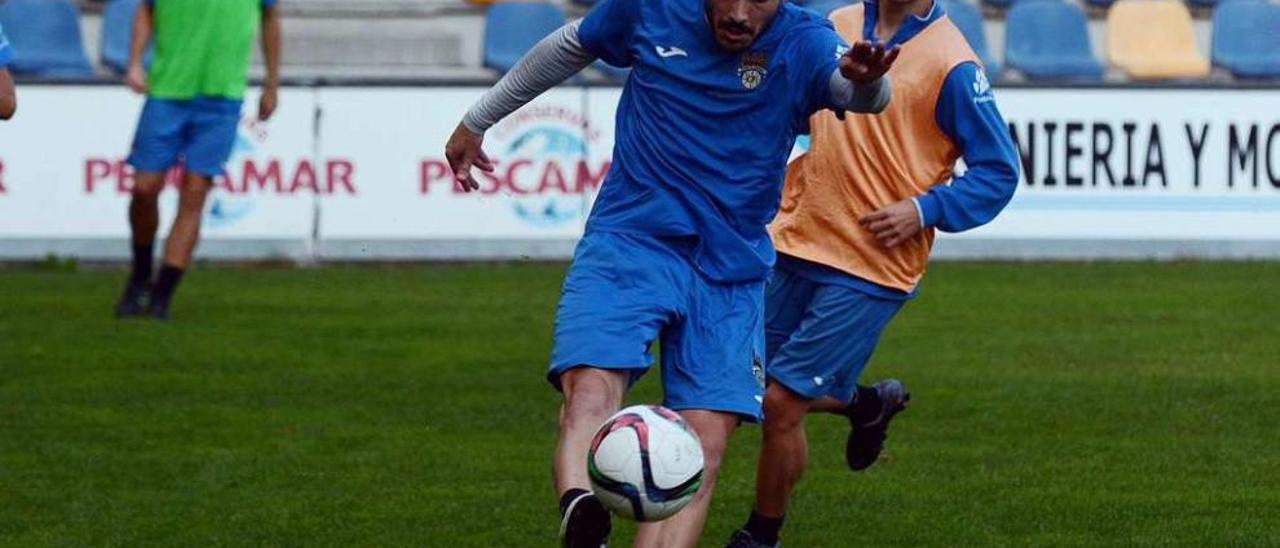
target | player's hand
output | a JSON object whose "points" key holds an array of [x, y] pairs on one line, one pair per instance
{"points": [[136, 78], [267, 103], [894, 223], [463, 152], [866, 62]]}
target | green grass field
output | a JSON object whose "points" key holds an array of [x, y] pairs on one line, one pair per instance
{"points": [[1053, 404]]}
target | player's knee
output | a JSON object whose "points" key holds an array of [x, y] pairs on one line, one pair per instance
{"points": [[783, 409], [145, 192], [191, 201], [712, 456], [589, 395]]}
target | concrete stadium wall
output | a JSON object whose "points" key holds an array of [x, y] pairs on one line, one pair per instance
{"points": [[356, 172]]}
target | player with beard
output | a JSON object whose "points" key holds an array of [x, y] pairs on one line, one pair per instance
{"points": [[676, 248]]}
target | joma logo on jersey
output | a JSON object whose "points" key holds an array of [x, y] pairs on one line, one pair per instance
{"points": [[753, 69]]}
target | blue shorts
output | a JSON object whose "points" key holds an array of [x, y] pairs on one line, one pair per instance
{"points": [[625, 291], [199, 132], [820, 336]]}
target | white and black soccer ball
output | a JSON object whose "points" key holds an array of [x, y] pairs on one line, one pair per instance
{"points": [[645, 463]]}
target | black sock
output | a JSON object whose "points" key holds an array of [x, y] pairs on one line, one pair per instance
{"points": [[142, 255], [166, 283], [762, 529], [568, 497], [867, 406]]}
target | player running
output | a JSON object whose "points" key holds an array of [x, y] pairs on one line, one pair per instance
{"points": [[676, 248], [854, 233], [8, 99], [194, 92]]}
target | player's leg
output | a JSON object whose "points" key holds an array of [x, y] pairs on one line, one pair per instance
{"points": [[684, 528], [712, 372], [784, 452], [591, 395], [611, 309], [185, 234], [181, 244], [144, 216], [784, 455], [212, 131], [822, 359], [156, 145]]}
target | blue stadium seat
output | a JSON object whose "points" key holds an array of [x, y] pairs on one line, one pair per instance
{"points": [[45, 35], [1246, 38], [968, 19], [117, 32], [1050, 40], [513, 28]]}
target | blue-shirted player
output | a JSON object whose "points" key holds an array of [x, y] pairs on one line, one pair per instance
{"points": [[8, 98], [854, 233], [676, 248], [194, 92]]}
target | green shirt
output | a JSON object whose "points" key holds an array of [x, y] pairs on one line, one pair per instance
{"points": [[203, 47]]}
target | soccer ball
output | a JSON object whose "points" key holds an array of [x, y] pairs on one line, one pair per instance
{"points": [[645, 463]]}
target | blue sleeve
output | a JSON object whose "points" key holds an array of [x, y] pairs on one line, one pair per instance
{"points": [[607, 29], [269, 3], [967, 113], [821, 53], [6, 52]]}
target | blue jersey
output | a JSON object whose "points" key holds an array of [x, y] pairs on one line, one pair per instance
{"points": [[703, 135], [6, 52]]}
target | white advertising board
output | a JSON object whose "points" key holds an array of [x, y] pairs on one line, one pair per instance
{"points": [[63, 172], [1143, 164], [366, 164], [549, 160]]}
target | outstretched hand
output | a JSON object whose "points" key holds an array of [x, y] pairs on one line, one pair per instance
{"points": [[464, 151], [865, 62]]}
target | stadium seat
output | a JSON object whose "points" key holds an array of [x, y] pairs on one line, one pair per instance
{"points": [[1154, 39], [1246, 38], [969, 20], [46, 40], [513, 28], [1050, 40], [117, 32]]}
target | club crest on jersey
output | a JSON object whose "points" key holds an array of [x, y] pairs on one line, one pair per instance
{"points": [[753, 69]]}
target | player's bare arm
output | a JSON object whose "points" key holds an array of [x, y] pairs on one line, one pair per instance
{"points": [[143, 26], [271, 56], [8, 97], [550, 62]]}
